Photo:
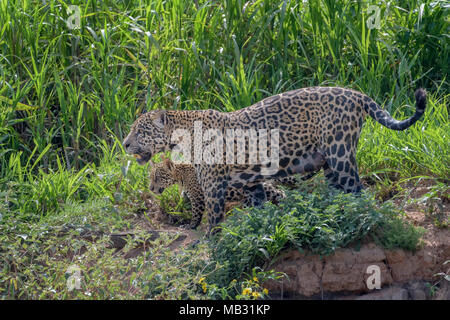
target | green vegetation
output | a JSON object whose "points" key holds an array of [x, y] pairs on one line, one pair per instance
{"points": [[314, 218], [37, 258], [68, 97], [64, 89]]}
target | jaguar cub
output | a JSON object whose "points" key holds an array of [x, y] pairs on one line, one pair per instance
{"points": [[167, 173]]}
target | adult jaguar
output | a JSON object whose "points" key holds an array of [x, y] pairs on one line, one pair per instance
{"points": [[318, 127]]}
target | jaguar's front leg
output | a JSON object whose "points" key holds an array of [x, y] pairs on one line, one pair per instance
{"points": [[214, 182], [215, 207]]}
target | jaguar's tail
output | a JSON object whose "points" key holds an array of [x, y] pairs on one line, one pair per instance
{"points": [[384, 118]]}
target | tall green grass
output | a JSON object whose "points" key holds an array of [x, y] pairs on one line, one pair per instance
{"points": [[66, 87]]}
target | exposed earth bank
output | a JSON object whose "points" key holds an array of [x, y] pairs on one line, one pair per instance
{"points": [[348, 273]]}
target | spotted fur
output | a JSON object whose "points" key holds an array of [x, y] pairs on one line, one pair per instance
{"points": [[319, 127]]}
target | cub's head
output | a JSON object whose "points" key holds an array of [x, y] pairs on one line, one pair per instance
{"points": [[162, 176], [148, 136]]}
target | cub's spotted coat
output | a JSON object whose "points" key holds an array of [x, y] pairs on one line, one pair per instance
{"points": [[167, 173], [319, 127]]}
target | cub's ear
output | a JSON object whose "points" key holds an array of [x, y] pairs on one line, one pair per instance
{"points": [[159, 118], [168, 163]]}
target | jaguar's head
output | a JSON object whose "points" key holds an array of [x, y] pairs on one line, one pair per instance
{"points": [[148, 136], [162, 176]]}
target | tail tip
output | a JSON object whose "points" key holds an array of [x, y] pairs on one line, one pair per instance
{"points": [[421, 98]]}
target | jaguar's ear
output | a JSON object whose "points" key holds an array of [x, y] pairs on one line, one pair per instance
{"points": [[160, 118]]}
